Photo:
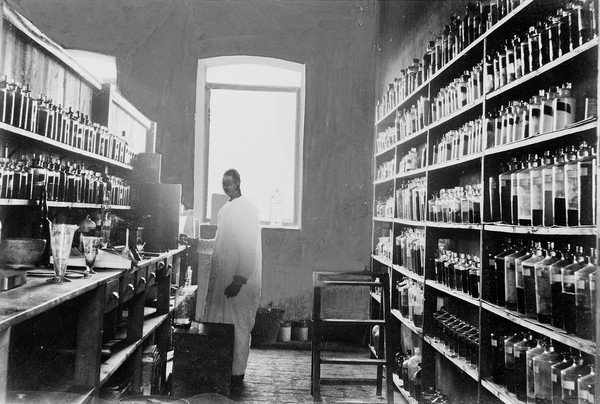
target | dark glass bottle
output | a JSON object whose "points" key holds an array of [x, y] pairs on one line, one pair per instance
{"points": [[558, 189], [500, 268], [41, 228], [529, 281], [547, 185], [556, 285], [505, 186], [520, 353], [510, 277], [569, 377], [568, 291], [586, 169], [543, 284], [542, 375], [497, 356], [584, 318], [519, 282], [509, 360]]}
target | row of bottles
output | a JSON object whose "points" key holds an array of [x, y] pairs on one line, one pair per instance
{"points": [[551, 284], [19, 109], [455, 36], [385, 139], [460, 338], [546, 112], [542, 43], [456, 205], [410, 200], [27, 177], [410, 300], [461, 92], [462, 142], [384, 246], [410, 250], [412, 160], [386, 170], [531, 369], [556, 190], [409, 370], [458, 271], [384, 207], [411, 120]]}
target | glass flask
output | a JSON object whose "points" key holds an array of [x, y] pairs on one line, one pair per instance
{"points": [[542, 375]]}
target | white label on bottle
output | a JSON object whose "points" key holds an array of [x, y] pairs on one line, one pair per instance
{"points": [[526, 271], [494, 342], [591, 398], [580, 284], [536, 369], [592, 285], [556, 278], [554, 377], [584, 394], [568, 385], [569, 279], [584, 171], [517, 354], [539, 272], [509, 350]]}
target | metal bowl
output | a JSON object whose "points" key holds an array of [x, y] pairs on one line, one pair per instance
{"points": [[23, 253]]}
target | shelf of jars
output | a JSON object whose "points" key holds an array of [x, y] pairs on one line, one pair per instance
{"points": [[458, 362], [61, 146], [385, 151], [383, 180], [409, 324], [454, 293], [55, 204], [413, 136], [381, 260], [450, 225], [455, 163], [408, 222], [500, 392], [405, 394], [577, 127], [117, 358], [411, 173], [477, 42], [547, 330], [542, 231], [593, 44], [469, 108], [408, 273]]}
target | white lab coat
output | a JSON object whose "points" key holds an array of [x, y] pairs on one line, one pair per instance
{"points": [[238, 251]]}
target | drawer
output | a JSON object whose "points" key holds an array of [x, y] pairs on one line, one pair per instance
{"points": [[111, 299], [141, 279], [151, 274], [128, 286]]}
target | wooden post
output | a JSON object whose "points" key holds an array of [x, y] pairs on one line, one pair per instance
{"points": [[4, 351], [89, 338]]}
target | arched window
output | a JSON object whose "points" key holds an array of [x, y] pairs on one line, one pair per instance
{"points": [[250, 116]]}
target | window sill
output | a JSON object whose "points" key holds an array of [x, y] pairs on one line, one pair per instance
{"points": [[280, 227]]}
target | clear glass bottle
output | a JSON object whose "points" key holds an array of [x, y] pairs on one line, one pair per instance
{"points": [[543, 284], [547, 111], [537, 192], [593, 297], [529, 277], [535, 113], [520, 354], [530, 355], [510, 277], [542, 375], [555, 371], [516, 191], [572, 187], [587, 173], [547, 185], [524, 210], [519, 283], [509, 360], [412, 366], [564, 107], [569, 377], [505, 186], [568, 291], [584, 318], [584, 386], [500, 266], [558, 189]]}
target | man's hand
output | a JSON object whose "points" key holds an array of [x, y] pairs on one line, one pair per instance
{"points": [[234, 287]]}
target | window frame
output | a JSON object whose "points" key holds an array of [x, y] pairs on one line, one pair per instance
{"points": [[202, 136]]}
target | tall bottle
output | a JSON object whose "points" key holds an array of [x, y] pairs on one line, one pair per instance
{"points": [[556, 370], [510, 277], [537, 192], [542, 375], [543, 283], [519, 281], [584, 318], [547, 190], [568, 291], [558, 189], [509, 360], [413, 364], [585, 386], [535, 114], [405, 370], [587, 175], [41, 228], [564, 107], [572, 195], [569, 377], [566, 258], [505, 186], [500, 266], [593, 297], [497, 356], [516, 192], [529, 275], [547, 109], [524, 191], [520, 353], [530, 355]]}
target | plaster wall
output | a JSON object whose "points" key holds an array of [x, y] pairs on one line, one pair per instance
{"points": [[157, 44]]}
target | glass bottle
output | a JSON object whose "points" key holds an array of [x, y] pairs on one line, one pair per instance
{"points": [[555, 371], [547, 185], [543, 284], [475, 279], [535, 113], [509, 360], [520, 353], [532, 353], [418, 308], [519, 278], [497, 356], [515, 191], [593, 297], [587, 173], [412, 365], [510, 287], [405, 370], [534, 48], [564, 107], [547, 111], [568, 291], [537, 191], [584, 386], [558, 189], [584, 318], [529, 277], [500, 266], [524, 191], [505, 186], [41, 228], [542, 375], [39, 177], [569, 377], [572, 187]]}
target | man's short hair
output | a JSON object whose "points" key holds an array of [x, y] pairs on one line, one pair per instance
{"points": [[234, 175]]}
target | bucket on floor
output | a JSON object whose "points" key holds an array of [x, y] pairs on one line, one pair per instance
{"points": [[266, 326], [285, 331], [300, 330]]}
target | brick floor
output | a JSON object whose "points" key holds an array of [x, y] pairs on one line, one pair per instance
{"points": [[283, 376]]}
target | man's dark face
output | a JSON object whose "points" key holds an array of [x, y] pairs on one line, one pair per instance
{"points": [[230, 187]]}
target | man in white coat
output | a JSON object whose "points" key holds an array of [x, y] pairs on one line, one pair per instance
{"points": [[235, 278]]}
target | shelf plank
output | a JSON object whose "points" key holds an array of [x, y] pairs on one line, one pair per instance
{"points": [[408, 222], [578, 127], [467, 108], [57, 204], [544, 69], [544, 231], [455, 163], [499, 391], [383, 181], [462, 226], [547, 330], [50, 142], [459, 295], [409, 324], [110, 366], [386, 150], [381, 260], [383, 219], [459, 363], [412, 173], [408, 273], [405, 394]]}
